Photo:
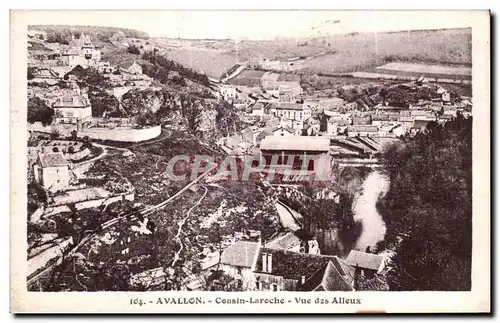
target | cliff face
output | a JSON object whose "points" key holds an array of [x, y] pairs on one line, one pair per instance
{"points": [[137, 101]]}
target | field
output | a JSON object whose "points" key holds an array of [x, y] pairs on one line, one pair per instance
{"points": [[335, 54], [250, 78], [210, 62], [403, 70], [425, 68]]}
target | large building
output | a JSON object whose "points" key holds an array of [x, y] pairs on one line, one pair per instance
{"points": [[72, 108], [294, 111], [51, 171], [287, 154], [81, 52]]}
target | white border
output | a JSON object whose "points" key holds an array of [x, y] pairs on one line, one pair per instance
{"points": [[391, 302]]}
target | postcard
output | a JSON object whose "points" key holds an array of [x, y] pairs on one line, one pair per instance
{"points": [[237, 161]]}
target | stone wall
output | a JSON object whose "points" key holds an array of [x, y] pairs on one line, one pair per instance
{"points": [[114, 134], [121, 134]]}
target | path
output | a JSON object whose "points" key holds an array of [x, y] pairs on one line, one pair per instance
{"points": [[234, 74], [112, 222], [181, 224]]}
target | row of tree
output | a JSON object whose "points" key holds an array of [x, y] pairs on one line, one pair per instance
{"points": [[428, 209], [162, 66]]}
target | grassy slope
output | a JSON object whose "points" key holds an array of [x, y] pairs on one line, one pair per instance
{"points": [[352, 52], [93, 31]]}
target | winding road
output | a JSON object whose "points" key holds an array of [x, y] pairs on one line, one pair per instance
{"points": [[133, 215], [181, 224]]}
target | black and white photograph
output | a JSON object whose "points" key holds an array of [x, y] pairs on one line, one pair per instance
{"points": [[250, 151]]}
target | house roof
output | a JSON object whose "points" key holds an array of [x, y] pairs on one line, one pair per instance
{"points": [[331, 277], [71, 101], [240, 254], [291, 106], [364, 260], [285, 242], [294, 265], [284, 128], [52, 159], [292, 143], [363, 128]]}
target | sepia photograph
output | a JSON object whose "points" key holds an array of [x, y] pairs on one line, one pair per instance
{"points": [[250, 151]]}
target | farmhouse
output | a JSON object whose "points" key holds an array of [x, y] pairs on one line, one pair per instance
{"points": [[51, 171], [72, 108], [282, 270]]}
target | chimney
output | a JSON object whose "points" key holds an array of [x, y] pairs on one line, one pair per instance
{"points": [[270, 263], [357, 272]]}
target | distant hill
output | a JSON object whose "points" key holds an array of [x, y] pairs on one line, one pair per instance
{"points": [[95, 32], [327, 53]]}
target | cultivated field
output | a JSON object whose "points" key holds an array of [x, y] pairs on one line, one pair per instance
{"points": [[341, 52], [250, 78], [425, 68]]}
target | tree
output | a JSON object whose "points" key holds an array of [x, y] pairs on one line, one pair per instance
{"points": [[74, 135], [54, 134], [38, 110], [428, 209], [101, 101]]}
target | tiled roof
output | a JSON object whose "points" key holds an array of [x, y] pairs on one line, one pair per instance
{"points": [[294, 265], [291, 106], [240, 254], [364, 128], [364, 260], [71, 101], [293, 143], [331, 277], [52, 159]]}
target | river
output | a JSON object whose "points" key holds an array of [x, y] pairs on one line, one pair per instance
{"points": [[365, 211]]}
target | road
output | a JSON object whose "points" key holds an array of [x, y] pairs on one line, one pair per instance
{"points": [[114, 221], [234, 74], [181, 224]]}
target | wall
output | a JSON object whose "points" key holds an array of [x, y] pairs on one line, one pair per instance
{"points": [[52, 178], [121, 134], [116, 134]]}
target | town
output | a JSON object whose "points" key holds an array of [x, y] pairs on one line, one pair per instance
{"points": [[103, 215]]}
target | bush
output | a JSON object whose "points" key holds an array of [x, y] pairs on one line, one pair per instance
{"points": [[38, 110], [132, 49], [71, 149]]}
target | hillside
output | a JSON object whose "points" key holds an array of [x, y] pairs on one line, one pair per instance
{"points": [[327, 54], [95, 32]]}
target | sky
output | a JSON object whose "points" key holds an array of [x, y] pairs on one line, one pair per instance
{"points": [[255, 24]]}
